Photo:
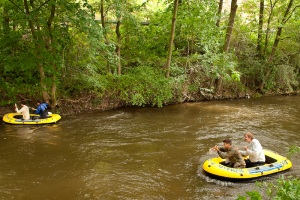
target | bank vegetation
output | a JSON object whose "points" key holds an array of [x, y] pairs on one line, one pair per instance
{"points": [[99, 55]]}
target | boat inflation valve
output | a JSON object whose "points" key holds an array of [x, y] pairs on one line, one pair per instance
{"points": [[241, 174], [208, 165]]}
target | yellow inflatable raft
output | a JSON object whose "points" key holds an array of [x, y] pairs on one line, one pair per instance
{"points": [[275, 163], [15, 118]]}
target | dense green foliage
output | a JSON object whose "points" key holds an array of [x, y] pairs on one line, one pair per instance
{"points": [[62, 49], [283, 189]]}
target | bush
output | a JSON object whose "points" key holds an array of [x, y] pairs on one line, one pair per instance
{"points": [[283, 189], [143, 86]]}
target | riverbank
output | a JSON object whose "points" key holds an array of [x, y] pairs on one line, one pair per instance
{"points": [[91, 103]]}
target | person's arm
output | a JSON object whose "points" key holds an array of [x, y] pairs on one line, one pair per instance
{"points": [[243, 153], [38, 110], [222, 153], [255, 148], [20, 111]]}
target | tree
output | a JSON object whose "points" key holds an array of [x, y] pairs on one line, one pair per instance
{"points": [[287, 15], [271, 12], [45, 37], [229, 30], [219, 12], [233, 9], [260, 27], [172, 33], [103, 23]]}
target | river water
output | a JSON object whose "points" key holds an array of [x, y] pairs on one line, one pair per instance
{"points": [[141, 153]]}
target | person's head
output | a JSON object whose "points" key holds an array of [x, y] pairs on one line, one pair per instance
{"points": [[38, 102], [22, 103], [248, 137], [227, 143]]}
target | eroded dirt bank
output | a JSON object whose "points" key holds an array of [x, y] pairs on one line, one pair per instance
{"points": [[88, 103]]}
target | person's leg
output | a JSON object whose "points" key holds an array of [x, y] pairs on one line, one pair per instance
{"points": [[239, 165], [44, 114], [248, 163]]}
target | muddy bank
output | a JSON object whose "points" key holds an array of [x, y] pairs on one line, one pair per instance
{"points": [[90, 103], [70, 106]]}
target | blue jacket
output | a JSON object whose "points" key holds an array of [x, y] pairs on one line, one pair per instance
{"points": [[41, 108]]}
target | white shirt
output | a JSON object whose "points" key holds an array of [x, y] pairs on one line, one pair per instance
{"points": [[25, 112], [255, 152]]}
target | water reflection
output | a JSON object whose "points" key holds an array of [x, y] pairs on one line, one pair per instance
{"points": [[43, 133]]}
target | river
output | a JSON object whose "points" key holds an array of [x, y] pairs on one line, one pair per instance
{"points": [[141, 153]]}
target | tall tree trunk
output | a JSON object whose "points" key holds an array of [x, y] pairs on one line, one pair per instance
{"points": [[118, 48], [260, 27], [104, 33], [230, 24], [169, 56], [229, 30], [38, 49], [103, 21], [219, 13], [218, 82], [272, 5], [279, 29], [52, 50]]}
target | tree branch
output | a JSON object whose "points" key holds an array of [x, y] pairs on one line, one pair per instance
{"points": [[42, 5], [16, 6], [291, 13]]}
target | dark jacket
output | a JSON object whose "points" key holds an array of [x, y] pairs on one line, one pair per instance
{"points": [[235, 158], [42, 110]]}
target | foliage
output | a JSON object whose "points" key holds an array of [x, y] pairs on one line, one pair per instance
{"points": [[254, 195], [283, 189], [278, 72], [293, 150], [143, 86], [78, 55]]}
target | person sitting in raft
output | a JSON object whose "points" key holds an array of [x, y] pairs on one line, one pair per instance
{"points": [[232, 155], [254, 151], [42, 109], [24, 110]]}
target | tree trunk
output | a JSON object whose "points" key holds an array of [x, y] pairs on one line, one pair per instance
{"points": [[104, 33], [260, 27], [103, 21], [118, 48], [169, 56], [279, 30], [219, 13], [230, 25], [218, 82], [54, 67], [38, 50], [272, 5]]}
